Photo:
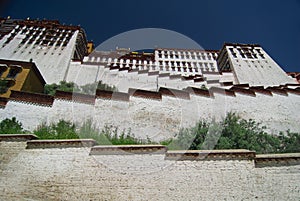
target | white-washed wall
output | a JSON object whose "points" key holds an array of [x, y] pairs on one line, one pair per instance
{"points": [[161, 119], [73, 174], [53, 62]]}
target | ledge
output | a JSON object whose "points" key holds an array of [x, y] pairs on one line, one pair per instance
{"points": [[175, 76], [34, 98], [261, 90], [244, 91], [199, 79], [210, 73], [76, 143], [145, 94], [153, 73], [187, 78], [199, 92], [133, 70], [221, 91], [293, 91], [164, 75], [174, 93], [124, 69], [114, 67], [213, 81], [225, 84], [230, 154], [143, 71], [128, 149], [17, 137], [277, 91], [110, 95], [242, 85], [3, 101], [265, 160], [75, 97]]}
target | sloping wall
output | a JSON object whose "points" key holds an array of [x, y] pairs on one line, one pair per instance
{"points": [[158, 115], [97, 173]]}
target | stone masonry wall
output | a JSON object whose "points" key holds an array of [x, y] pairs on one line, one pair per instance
{"points": [[75, 174]]}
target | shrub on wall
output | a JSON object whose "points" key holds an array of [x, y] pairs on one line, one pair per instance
{"points": [[62, 130], [231, 133], [234, 133], [91, 88], [290, 142], [50, 89], [109, 135], [11, 126]]}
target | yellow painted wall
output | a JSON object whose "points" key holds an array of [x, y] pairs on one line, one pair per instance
{"points": [[33, 84], [90, 47], [26, 80]]}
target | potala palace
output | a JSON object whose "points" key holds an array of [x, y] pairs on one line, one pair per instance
{"points": [[158, 91]]}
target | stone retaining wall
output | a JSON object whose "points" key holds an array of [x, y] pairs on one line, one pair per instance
{"points": [[66, 173]]}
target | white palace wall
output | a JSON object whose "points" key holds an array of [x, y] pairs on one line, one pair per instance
{"points": [[83, 173], [160, 118]]}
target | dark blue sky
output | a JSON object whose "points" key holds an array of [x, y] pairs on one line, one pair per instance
{"points": [[275, 25]]}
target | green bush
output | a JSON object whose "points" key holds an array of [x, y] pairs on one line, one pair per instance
{"points": [[109, 135], [91, 88], [50, 89], [231, 133], [11, 126], [234, 133], [289, 142], [62, 130]]}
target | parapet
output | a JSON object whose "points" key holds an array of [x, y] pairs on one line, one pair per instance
{"points": [[128, 149], [76, 97], [33, 98], [76, 143], [260, 160], [233, 91], [230, 154], [17, 137], [145, 94], [264, 160]]}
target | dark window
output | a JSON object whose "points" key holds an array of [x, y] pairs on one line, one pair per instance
{"points": [[3, 68], [13, 72]]}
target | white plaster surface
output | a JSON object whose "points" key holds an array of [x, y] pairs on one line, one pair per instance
{"points": [[72, 174], [163, 119], [52, 62]]}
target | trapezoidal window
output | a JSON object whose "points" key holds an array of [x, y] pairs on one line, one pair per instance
{"points": [[3, 68], [14, 71]]}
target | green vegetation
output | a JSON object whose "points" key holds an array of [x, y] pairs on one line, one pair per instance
{"points": [[234, 133], [231, 133], [50, 89], [11, 126], [91, 88], [61, 130], [3, 86], [107, 136]]}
